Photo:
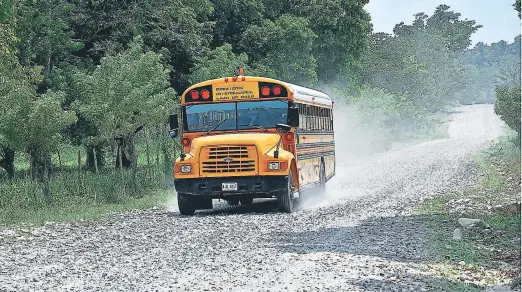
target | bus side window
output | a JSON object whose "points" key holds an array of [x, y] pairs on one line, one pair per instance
{"points": [[310, 117], [302, 116], [317, 119], [330, 120], [327, 119], [323, 124], [308, 111], [313, 117]]}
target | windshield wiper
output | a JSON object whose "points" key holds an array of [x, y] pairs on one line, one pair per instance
{"points": [[252, 126], [219, 124]]}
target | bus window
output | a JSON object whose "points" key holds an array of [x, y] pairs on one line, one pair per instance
{"points": [[321, 114], [308, 111], [331, 120], [314, 115], [302, 116]]}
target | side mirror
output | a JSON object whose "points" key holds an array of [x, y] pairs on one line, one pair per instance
{"points": [[282, 128], [293, 117], [173, 121]]}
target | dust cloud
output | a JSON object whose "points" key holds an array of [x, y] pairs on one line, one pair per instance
{"points": [[172, 203], [355, 141]]}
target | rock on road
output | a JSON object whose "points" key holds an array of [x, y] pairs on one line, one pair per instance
{"points": [[360, 238]]}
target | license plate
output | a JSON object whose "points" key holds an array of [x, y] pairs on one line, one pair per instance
{"points": [[229, 186]]}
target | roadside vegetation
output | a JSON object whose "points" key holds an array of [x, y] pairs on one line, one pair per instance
{"points": [[86, 87], [487, 252]]}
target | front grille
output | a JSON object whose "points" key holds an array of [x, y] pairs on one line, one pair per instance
{"points": [[228, 159]]}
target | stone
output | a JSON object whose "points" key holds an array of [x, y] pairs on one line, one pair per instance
{"points": [[470, 223], [457, 234], [512, 209], [499, 288], [505, 266]]}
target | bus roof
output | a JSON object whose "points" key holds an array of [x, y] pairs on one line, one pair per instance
{"points": [[309, 95], [300, 93]]}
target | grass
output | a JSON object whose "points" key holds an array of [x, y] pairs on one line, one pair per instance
{"points": [[79, 194], [80, 210], [480, 250]]}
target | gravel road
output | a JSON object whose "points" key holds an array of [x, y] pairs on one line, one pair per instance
{"points": [[362, 237]]}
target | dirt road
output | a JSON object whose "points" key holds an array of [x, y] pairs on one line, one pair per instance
{"points": [[360, 238]]}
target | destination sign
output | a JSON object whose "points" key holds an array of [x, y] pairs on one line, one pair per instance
{"points": [[235, 91]]}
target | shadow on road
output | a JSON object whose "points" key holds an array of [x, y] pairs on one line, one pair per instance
{"points": [[426, 282], [394, 238], [262, 206]]}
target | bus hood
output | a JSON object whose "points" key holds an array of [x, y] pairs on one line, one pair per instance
{"points": [[262, 141]]}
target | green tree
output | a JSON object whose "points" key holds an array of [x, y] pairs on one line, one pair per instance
{"points": [[45, 34], [342, 27], [233, 17], [181, 29], [421, 60], [455, 31], [218, 63], [126, 92], [285, 47], [31, 122], [507, 107]]}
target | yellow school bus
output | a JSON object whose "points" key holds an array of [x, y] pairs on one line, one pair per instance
{"points": [[246, 137]]}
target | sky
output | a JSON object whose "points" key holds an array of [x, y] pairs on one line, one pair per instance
{"points": [[498, 17]]}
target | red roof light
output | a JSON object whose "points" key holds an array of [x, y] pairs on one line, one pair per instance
{"points": [[205, 94], [194, 94], [277, 90], [265, 91]]}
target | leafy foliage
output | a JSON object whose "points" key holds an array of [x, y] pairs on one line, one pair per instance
{"points": [[508, 106], [217, 63], [273, 44], [126, 91]]}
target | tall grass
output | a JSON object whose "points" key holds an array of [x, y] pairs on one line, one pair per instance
{"points": [[78, 193]]}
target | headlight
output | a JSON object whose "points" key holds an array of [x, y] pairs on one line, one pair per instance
{"points": [[273, 166], [186, 168]]}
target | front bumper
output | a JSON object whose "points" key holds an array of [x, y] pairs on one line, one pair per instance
{"points": [[254, 186]]}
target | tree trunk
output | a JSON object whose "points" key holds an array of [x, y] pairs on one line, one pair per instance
{"points": [[94, 160], [41, 169], [129, 151], [7, 161], [122, 160]]}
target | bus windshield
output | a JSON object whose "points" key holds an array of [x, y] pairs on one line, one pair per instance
{"points": [[235, 115]]}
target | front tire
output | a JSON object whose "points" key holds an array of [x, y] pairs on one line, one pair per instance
{"points": [[233, 202], [186, 204], [285, 198]]}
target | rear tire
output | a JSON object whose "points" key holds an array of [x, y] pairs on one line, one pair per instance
{"points": [[247, 201], [285, 198], [186, 204]]}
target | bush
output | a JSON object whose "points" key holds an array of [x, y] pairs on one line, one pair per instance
{"points": [[507, 107]]}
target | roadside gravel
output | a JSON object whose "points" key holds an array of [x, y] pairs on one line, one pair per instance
{"points": [[362, 237]]}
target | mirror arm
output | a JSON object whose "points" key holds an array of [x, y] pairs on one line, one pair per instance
{"points": [[276, 152]]}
